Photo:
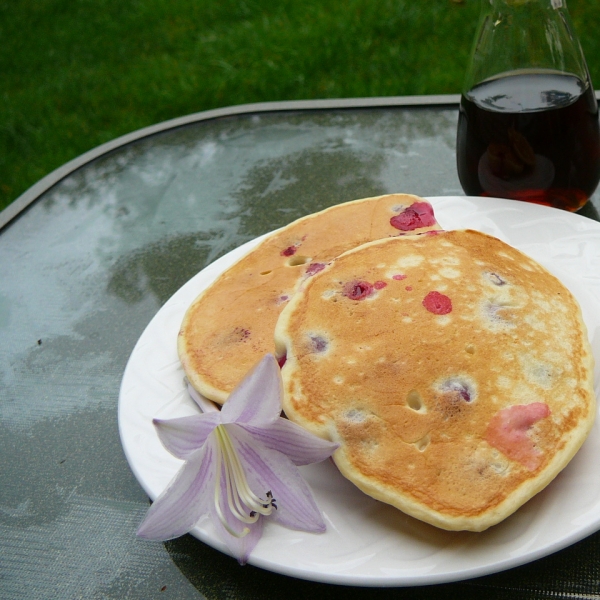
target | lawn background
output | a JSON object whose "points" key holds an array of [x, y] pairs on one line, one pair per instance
{"points": [[78, 73]]}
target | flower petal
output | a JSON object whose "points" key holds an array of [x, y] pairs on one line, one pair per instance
{"points": [[204, 404], [257, 398], [184, 435], [300, 446], [269, 470], [185, 500]]}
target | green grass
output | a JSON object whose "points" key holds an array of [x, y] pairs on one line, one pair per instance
{"points": [[78, 73]]}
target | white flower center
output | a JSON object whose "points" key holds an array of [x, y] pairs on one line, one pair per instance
{"points": [[243, 503]]}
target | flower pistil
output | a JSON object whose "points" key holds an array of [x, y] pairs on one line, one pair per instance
{"points": [[243, 503]]}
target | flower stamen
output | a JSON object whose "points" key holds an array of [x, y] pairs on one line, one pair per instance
{"points": [[243, 503]]}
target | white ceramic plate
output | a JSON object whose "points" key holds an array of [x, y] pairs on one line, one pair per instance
{"points": [[368, 543]]}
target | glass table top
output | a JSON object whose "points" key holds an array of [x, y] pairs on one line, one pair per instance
{"points": [[85, 267]]}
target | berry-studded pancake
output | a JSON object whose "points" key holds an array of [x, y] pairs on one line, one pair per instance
{"points": [[229, 328], [455, 372]]}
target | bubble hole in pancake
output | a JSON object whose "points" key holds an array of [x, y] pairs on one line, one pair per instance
{"points": [[229, 327], [455, 372]]}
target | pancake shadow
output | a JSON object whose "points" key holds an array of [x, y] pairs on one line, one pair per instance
{"points": [[392, 519], [514, 537]]}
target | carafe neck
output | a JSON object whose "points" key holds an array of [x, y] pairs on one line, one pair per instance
{"points": [[524, 35]]}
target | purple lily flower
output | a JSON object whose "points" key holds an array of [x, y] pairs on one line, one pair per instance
{"points": [[241, 465]]}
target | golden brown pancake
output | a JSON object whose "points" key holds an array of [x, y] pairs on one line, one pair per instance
{"points": [[229, 327], [455, 372]]}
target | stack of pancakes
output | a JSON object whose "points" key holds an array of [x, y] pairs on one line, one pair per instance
{"points": [[229, 327], [454, 371]]}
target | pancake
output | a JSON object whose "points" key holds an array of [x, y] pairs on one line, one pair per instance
{"points": [[455, 372], [229, 327]]}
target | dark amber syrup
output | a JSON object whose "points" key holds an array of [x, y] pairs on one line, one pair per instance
{"points": [[530, 136]]}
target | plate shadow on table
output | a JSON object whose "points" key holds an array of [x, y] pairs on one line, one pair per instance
{"points": [[573, 572]]}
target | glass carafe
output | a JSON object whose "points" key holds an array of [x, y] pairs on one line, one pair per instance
{"points": [[528, 122]]}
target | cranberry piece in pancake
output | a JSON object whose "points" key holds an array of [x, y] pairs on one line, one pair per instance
{"points": [[358, 290], [417, 216], [438, 304], [508, 431]]}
